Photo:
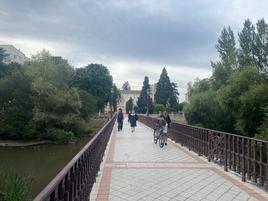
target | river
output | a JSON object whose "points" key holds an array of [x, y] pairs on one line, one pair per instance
{"points": [[40, 162]]}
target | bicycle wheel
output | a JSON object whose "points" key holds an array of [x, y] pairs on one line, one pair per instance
{"points": [[155, 135], [161, 140]]}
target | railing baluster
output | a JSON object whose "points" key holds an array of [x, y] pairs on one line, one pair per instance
{"points": [[244, 155], [76, 179]]}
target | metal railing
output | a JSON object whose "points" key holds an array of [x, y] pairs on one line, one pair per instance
{"points": [[243, 155], [75, 181]]}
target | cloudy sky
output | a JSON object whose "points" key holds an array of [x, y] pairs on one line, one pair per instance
{"points": [[133, 38]]}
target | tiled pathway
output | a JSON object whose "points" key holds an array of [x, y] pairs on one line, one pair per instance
{"points": [[136, 169]]}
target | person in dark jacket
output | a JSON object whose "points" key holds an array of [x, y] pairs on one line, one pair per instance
{"points": [[168, 120], [120, 119], [133, 120]]}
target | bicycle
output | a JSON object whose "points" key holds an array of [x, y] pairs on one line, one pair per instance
{"points": [[160, 135]]}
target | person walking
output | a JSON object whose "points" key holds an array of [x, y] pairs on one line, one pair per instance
{"points": [[120, 119], [133, 117], [168, 120]]}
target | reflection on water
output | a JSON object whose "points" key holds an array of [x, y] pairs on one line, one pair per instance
{"points": [[41, 162]]}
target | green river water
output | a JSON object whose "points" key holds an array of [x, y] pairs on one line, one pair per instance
{"points": [[40, 162]]}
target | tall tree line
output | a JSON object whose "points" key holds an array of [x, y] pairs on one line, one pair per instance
{"points": [[46, 98], [165, 97], [235, 98]]}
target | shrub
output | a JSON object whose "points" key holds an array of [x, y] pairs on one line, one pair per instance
{"points": [[158, 107], [60, 135], [14, 187]]}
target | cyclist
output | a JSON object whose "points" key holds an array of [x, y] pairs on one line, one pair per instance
{"points": [[163, 125]]}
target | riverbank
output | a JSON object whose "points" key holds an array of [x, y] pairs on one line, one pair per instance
{"points": [[14, 143]]}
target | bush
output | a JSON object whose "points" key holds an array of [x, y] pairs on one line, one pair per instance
{"points": [[60, 135], [158, 107], [14, 187]]}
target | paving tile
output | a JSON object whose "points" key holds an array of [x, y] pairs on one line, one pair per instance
{"points": [[141, 170]]}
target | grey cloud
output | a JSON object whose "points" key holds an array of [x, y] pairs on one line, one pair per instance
{"points": [[167, 32]]}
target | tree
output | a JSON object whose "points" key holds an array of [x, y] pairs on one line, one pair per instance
{"points": [[16, 105], [251, 113], [96, 80], [166, 91], [228, 55], [126, 86], [116, 96], [129, 105], [246, 42], [144, 102], [261, 46], [203, 110], [57, 106], [226, 48], [89, 104]]}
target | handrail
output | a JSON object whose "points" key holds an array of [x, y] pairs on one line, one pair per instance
{"points": [[243, 155], [69, 183]]}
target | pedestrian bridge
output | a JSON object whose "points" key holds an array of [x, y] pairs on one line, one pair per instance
{"points": [[197, 164]]}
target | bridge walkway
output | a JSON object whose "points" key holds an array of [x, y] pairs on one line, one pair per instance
{"points": [[134, 168]]}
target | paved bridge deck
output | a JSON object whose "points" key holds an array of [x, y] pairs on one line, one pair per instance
{"points": [[134, 168]]}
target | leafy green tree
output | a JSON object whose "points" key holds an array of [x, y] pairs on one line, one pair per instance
{"points": [[246, 42], [8, 69], [55, 109], [166, 92], [126, 86], [202, 110], [116, 96], [96, 80], [228, 55], [16, 105], [239, 83], [226, 48], [88, 104], [129, 105], [251, 113], [263, 129], [56, 105], [144, 100], [261, 46]]}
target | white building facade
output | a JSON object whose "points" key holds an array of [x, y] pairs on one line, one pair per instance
{"points": [[13, 55]]}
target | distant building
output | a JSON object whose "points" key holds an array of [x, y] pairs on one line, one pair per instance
{"points": [[134, 94], [125, 96], [13, 55]]}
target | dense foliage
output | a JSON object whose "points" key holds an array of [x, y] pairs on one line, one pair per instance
{"points": [[235, 98], [145, 102], [14, 187], [46, 98], [129, 105], [96, 80], [166, 92], [126, 86]]}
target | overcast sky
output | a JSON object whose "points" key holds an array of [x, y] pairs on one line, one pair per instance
{"points": [[133, 38]]}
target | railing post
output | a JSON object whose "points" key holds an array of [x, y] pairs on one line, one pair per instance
{"points": [[261, 165], [225, 153], [243, 160]]}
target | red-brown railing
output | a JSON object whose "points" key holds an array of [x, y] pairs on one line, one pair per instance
{"points": [[74, 182], [243, 155]]}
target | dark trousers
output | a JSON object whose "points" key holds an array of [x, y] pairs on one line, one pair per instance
{"points": [[120, 125]]}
